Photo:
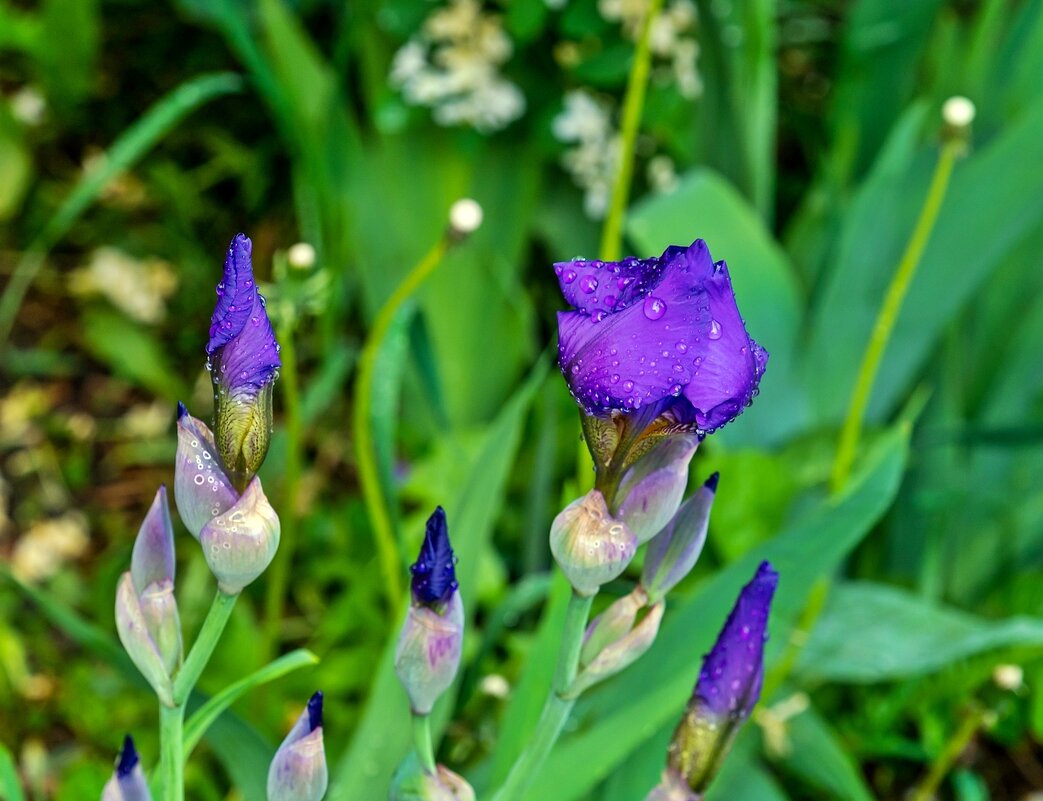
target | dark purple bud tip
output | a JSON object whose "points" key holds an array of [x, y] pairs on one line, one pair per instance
{"points": [[730, 681], [182, 410], [434, 574], [315, 711], [128, 758], [711, 482]]}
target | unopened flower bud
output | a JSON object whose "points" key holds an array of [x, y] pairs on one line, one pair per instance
{"points": [[146, 610], [652, 489], [428, 653], [672, 787], [590, 546], [620, 653], [243, 357], [202, 489], [410, 783], [728, 688], [298, 771], [128, 780], [674, 551], [241, 543]]}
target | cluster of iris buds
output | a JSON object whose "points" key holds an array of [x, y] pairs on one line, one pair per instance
{"points": [[221, 502], [657, 356]]}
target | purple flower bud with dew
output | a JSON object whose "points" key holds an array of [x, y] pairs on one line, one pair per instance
{"points": [[428, 652], [658, 339], [590, 546], [673, 552], [243, 358], [298, 771], [146, 610], [728, 688], [128, 780]]}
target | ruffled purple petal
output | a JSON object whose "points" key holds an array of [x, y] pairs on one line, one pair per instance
{"points": [[242, 347], [671, 331], [733, 672]]}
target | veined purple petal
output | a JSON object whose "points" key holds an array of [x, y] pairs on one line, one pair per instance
{"points": [[670, 334], [242, 346], [434, 573], [733, 672]]}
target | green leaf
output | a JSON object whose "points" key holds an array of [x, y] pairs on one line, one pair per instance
{"points": [[197, 725], [10, 787], [870, 632], [132, 352], [383, 737], [616, 719], [815, 753]]}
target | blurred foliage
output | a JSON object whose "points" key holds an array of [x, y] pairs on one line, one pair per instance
{"points": [[136, 138]]}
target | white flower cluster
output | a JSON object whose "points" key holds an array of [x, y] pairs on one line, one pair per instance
{"points": [[586, 122], [672, 38], [452, 66]]}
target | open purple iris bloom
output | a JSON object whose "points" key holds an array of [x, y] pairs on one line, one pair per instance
{"points": [[243, 357], [661, 334]]}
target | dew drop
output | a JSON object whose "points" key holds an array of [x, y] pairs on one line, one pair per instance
{"points": [[627, 386], [199, 480], [654, 308], [715, 330], [682, 346], [610, 301], [588, 284], [568, 276], [615, 378]]}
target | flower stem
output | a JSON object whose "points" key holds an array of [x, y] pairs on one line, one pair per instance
{"points": [[422, 742], [556, 708], [888, 315], [633, 105], [172, 760], [377, 506], [203, 648], [947, 757], [279, 571]]}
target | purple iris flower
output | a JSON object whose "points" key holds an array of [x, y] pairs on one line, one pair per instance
{"points": [[658, 335], [243, 357], [434, 573], [728, 688], [298, 771]]}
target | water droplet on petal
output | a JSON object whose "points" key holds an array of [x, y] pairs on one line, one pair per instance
{"points": [[588, 283], [682, 346], [654, 308], [610, 301], [715, 330], [568, 276], [627, 386]]}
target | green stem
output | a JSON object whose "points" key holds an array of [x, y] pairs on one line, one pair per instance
{"points": [[888, 315], [377, 506], [203, 648], [172, 761], [633, 105], [279, 571], [556, 708], [422, 741], [947, 757]]}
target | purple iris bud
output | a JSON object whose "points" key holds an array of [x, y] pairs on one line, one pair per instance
{"points": [[410, 783], [243, 357], [128, 780], [674, 551], [298, 771], [651, 490], [202, 488], [661, 334], [728, 688], [146, 610], [428, 652], [434, 572]]}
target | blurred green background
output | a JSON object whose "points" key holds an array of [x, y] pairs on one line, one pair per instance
{"points": [[797, 137]]}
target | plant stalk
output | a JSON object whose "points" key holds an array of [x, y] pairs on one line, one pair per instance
{"points": [[943, 763], [888, 314], [422, 741], [172, 759], [203, 648], [556, 708], [633, 106]]}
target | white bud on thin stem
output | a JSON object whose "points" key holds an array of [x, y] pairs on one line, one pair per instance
{"points": [[958, 111], [301, 256], [465, 216]]}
